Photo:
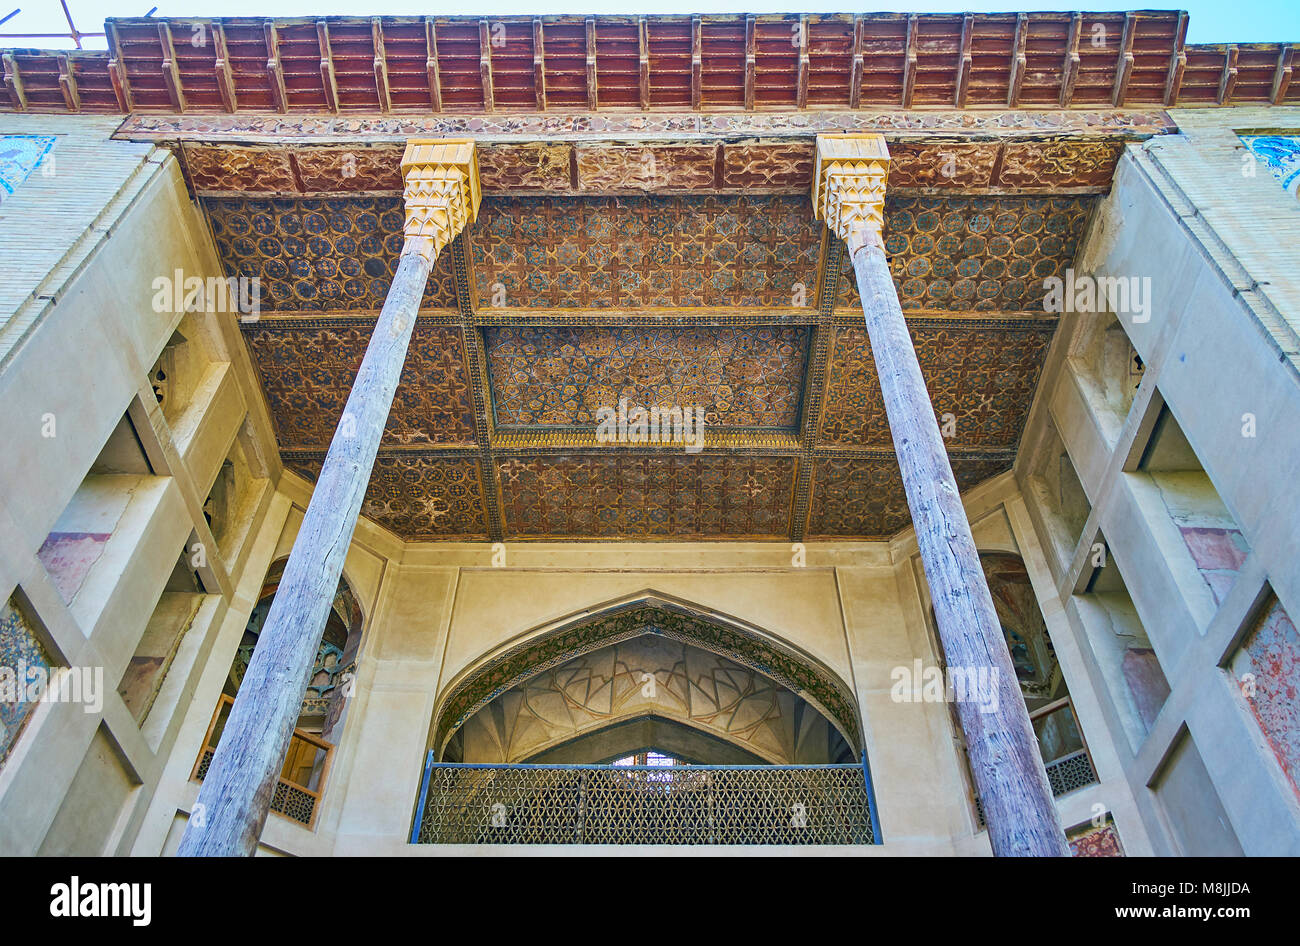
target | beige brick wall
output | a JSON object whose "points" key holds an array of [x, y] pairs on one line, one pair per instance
{"points": [[1236, 208], [57, 219]]}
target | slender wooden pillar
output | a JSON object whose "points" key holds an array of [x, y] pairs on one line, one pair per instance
{"points": [[849, 192], [442, 196]]}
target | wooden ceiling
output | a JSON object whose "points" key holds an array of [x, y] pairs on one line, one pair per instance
{"points": [[646, 233], [549, 308], [564, 63]]}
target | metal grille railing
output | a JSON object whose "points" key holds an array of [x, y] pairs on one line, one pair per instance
{"points": [[1061, 740], [644, 804]]}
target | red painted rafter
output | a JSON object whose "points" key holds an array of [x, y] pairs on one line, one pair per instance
{"points": [[741, 69]]}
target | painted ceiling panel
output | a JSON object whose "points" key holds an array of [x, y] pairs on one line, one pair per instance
{"points": [[861, 498], [982, 372], [551, 308], [307, 367], [319, 253], [563, 375], [976, 253], [631, 252], [417, 495], [659, 495]]}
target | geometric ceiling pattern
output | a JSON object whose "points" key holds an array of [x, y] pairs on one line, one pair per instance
{"points": [[668, 625], [646, 238], [548, 311], [656, 677]]}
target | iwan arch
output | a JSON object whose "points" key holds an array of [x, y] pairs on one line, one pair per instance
{"points": [[504, 608]]}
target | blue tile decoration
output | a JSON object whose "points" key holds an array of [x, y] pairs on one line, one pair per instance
{"points": [[1281, 155], [19, 155]]}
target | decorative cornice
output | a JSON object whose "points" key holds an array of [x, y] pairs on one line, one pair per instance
{"points": [[849, 180], [441, 192]]}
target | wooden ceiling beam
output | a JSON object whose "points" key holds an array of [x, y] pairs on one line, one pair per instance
{"points": [[14, 82], [1282, 74], [801, 83], [381, 64], [1018, 60], [68, 84], [964, 60], [909, 62], [431, 64], [274, 71], [643, 60], [697, 64], [855, 78], [1124, 62], [539, 64], [751, 53], [1177, 62], [1228, 80], [171, 74], [485, 65], [221, 68], [328, 82], [117, 69], [593, 87], [1070, 65]]}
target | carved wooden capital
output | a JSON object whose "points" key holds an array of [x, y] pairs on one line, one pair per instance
{"points": [[849, 187], [441, 192]]}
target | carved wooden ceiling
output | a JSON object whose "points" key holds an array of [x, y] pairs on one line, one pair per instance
{"points": [[550, 308], [646, 234]]}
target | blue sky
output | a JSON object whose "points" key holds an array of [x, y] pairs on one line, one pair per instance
{"points": [[1212, 21]]}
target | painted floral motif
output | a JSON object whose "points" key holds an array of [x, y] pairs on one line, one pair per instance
{"points": [[558, 375], [983, 376], [318, 253], [1271, 655], [609, 252], [19, 156], [642, 496], [307, 372], [1101, 841], [976, 253], [1281, 155]]}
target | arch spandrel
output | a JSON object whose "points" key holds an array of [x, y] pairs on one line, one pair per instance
{"points": [[748, 646]]}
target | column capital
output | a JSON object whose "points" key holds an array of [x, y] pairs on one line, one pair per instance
{"points": [[849, 187], [441, 192]]}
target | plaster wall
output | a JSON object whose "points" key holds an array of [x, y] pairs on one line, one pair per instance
{"points": [[435, 611], [83, 246], [1196, 552]]}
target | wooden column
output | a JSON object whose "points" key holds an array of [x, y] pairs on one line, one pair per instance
{"points": [[849, 192], [442, 196]]}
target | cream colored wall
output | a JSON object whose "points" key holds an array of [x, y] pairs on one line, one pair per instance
{"points": [[79, 337], [434, 611], [1219, 249]]}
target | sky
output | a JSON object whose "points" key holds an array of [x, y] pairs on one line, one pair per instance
{"points": [[1211, 21]]}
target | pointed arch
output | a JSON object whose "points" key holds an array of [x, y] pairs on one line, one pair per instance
{"points": [[336, 656], [645, 613]]}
